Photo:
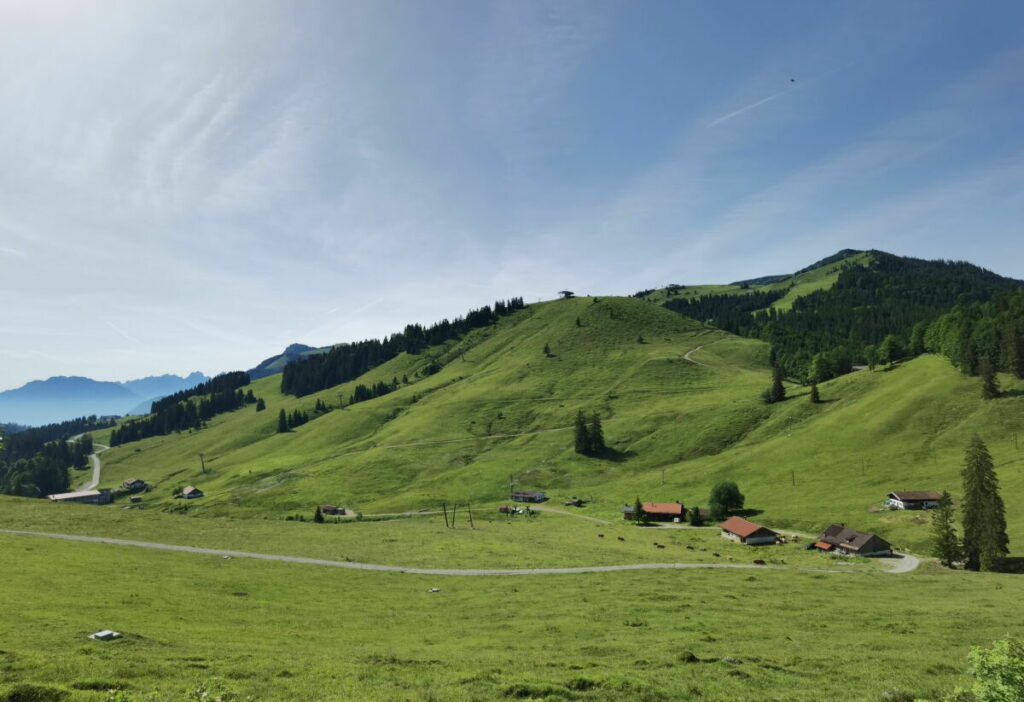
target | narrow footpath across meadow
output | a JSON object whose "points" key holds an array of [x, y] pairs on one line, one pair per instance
{"points": [[423, 571]]}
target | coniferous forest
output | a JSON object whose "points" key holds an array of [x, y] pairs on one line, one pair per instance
{"points": [[35, 462], [887, 305], [188, 409], [346, 362]]}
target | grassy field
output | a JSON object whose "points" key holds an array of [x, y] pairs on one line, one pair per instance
{"points": [[280, 631], [549, 540]]}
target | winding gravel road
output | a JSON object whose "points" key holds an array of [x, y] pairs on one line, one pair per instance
{"points": [[95, 458], [401, 569]]}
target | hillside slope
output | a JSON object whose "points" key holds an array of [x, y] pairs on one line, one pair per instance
{"points": [[681, 409]]}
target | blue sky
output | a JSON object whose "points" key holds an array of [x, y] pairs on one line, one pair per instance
{"points": [[194, 185]]}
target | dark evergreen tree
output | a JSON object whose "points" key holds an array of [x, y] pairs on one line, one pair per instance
{"points": [[989, 382], [917, 334], [815, 397], [984, 517], [282, 422], [777, 391], [260, 405], [318, 516], [547, 350], [582, 435], [639, 515], [596, 435], [695, 517], [945, 542], [578, 322]]}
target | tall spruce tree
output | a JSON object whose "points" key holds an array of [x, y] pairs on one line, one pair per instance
{"points": [[582, 435], [815, 396], [282, 423], [989, 382], [984, 516], [945, 542], [596, 434], [777, 391]]}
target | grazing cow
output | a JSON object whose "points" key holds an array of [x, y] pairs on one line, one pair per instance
{"points": [[621, 539], [689, 547], [758, 562], [600, 536], [717, 555], [660, 545]]}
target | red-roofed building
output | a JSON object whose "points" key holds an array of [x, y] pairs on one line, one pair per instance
{"points": [[739, 529], [658, 511]]}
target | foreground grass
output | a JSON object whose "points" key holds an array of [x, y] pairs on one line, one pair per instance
{"points": [[274, 631]]}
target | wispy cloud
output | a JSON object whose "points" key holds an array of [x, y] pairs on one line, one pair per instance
{"points": [[748, 108]]}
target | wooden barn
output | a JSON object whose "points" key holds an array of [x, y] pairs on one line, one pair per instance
{"points": [[657, 511], [838, 538], [529, 496], [744, 532]]}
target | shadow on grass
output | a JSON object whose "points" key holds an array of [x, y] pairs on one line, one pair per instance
{"points": [[610, 454], [1009, 393], [1012, 564], [746, 512]]}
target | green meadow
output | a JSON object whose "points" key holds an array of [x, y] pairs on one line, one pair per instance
{"points": [[246, 629]]}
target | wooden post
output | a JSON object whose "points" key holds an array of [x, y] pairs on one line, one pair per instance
{"points": [[469, 508], [444, 507], [203, 462], [454, 507], [792, 474]]}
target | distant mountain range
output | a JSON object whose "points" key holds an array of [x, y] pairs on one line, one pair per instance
{"points": [[66, 397]]}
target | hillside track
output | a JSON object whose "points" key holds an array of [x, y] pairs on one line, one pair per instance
{"points": [[401, 569], [95, 458], [687, 355]]}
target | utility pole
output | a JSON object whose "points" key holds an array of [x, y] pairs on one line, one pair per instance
{"points": [[444, 508], [511, 486], [469, 508], [792, 475], [455, 506], [203, 463], [662, 476]]}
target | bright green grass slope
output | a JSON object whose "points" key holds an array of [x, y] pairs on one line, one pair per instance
{"points": [[196, 624], [501, 408], [821, 278]]}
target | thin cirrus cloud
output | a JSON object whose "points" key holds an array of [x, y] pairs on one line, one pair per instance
{"points": [[212, 182]]}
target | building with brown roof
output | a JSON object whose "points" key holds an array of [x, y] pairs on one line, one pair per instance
{"points": [[849, 542], [191, 493], [87, 497], [923, 499], [657, 511], [740, 530]]}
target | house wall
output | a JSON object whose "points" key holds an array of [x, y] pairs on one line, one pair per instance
{"points": [[760, 540]]}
